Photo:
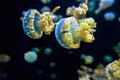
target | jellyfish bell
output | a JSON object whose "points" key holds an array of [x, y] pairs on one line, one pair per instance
{"points": [[31, 17], [109, 16], [30, 56], [65, 33]]}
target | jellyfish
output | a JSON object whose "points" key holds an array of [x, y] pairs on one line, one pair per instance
{"points": [[30, 56], [69, 32], [53, 75], [4, 58], [104, 4], [52, 64], [45, 1], [91, 6], [109, 16], [107, 58], [89, 59], [36, 49], [35, 24], [112, 70], [45, 9], [47, 51]]}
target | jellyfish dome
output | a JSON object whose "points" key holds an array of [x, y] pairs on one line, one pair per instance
{"points": [[30, 56], [66, 34], [108, 2], [109, 16], [29, 22]]}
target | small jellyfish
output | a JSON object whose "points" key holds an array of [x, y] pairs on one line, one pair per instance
{"points": [[30, 56], [113, 70], [47, 51], [89, 59], [104, 4], [107, 58], [91, 6], [45, 1], [52, 64], [57, 17], [4, 58], [36, 49], [39, 71], [109, 16], [53, 76], [119, 19], [45, 9]]}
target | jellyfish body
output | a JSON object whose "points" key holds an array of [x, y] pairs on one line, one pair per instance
{"points": [[91, 6], [30, 56], [29, 24], [45, 1], [66, 34], [107, 58], [104, 4], [113, 70], [109, 16]]}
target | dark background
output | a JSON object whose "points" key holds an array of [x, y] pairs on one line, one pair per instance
{"points": [[13, 41]]}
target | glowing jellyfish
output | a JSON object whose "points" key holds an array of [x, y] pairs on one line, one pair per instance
{"points": [[109, 16], [34, 23], [36, 49], [4, 58], [69, 33], [45, 9], [91, 6], [113, 70], [117, 49], [30, 56], [99, 73], [104, 4], [119, 19], [52, 64], [48, 51], [45, 1], [53, 75], [89, 59], [31, 17], [57, 17], [107, 58]]}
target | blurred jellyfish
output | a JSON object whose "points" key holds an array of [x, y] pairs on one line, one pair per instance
{"points": [[52, 64], [4, 58], [109, 16], [45, 1], [104, 4], [36, 49], [45, 9], [91, 6], [82, 56], [39, 71], [119, 19], [70, 52], [3, 76], [30, 56], [57, 17], [53, 76], [89, 59], [113, 70], [116, 49], [107, 58], [47, 51], [99, 73]]}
